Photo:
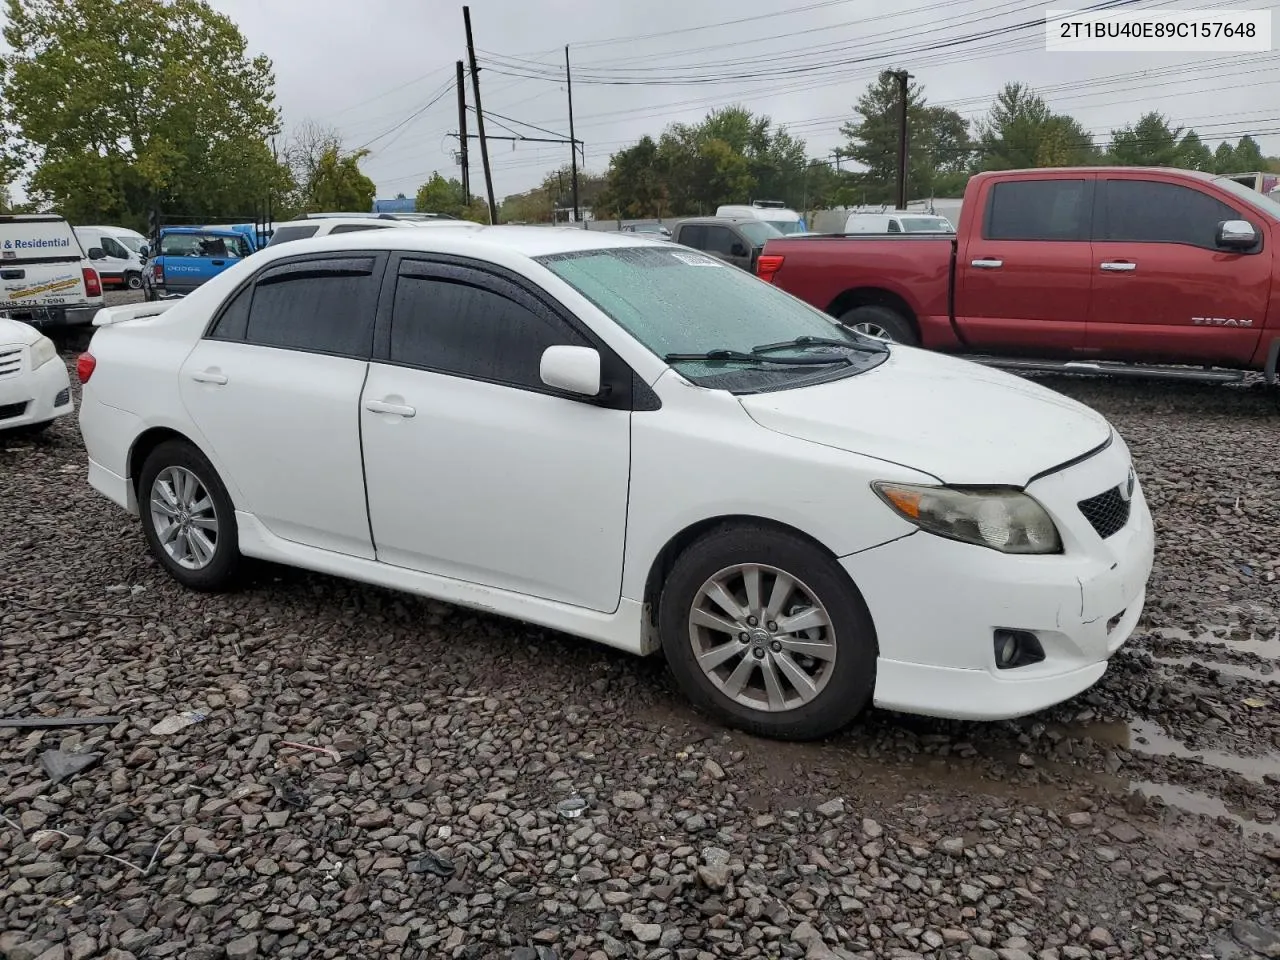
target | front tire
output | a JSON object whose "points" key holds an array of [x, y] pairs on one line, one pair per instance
{"points": [[188, 518], [882, 323], [133, 281], [765, 631]]}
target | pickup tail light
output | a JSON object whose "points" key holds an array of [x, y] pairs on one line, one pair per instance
{"points": [[767, 267], [92, 282], [85, 365], [157, 273]]}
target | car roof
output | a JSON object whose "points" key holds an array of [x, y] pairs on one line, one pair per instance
{"points": [[474, 238], [722, 220], [204, 231], [320, 222]]}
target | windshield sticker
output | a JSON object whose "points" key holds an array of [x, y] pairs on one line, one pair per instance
{"points": [[695, 260]]}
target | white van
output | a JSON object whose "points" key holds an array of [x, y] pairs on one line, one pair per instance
{"points": [[120, 265], [771, 212], [45, 278], [897, 221]]}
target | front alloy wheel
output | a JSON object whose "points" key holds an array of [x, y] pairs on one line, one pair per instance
{"points": [[762, 637], [764, 629]]}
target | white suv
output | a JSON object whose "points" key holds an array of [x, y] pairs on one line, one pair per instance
{"points": [[45, 278], [317, 226]]}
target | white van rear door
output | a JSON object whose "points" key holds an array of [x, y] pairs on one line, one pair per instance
{"points": [[40, 263]]}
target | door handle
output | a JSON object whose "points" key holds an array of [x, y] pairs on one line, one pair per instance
{"points": [[396, 409], [985, 264], [219, 263], [1118, 266], [209, 376]]}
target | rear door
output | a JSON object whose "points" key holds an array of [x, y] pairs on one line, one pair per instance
{"points": [[1024, 270], [274, 388], [1162, 288], [41, 264], [728, 245]]}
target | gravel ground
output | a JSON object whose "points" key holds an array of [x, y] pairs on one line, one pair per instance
{"points": [[1138, 820]]}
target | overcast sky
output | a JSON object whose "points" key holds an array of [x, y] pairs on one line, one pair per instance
{"points": [[367, 68]]}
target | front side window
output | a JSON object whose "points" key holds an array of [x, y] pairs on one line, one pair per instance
{"points": [[1037, 210], [113, 248], [680, 302], [759, 232], [322, 306], [1151, 211], [447, 324]]}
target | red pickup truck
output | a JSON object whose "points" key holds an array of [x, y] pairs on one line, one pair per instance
{"points": [[1127, 264]]}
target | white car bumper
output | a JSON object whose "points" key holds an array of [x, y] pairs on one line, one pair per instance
{"points": [[35, 396], [937, 603]]}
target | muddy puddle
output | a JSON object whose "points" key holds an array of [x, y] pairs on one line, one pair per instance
{"points": [[1193, 801], [1264, 673], [1233, 637]]}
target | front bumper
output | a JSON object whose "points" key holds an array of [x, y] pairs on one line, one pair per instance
{"points": [[35, 396], [937, 603]]}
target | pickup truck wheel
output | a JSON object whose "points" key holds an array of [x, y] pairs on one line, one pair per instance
{"points": [[882, 323], [765, 631]]}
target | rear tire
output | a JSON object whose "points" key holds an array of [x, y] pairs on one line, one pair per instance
{"points": [[188, 518], [881, 322], [807, 667], [133, 281]]}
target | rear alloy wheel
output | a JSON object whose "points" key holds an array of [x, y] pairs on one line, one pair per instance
{"points": [[766, 631], [881, 323], [187, 517]]}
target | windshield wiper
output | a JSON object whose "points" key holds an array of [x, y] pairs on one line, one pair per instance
{"points": [[737, 356], [875, 347]]}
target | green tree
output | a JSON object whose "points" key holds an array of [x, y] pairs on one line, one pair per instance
{"points": [[1150, 142], [1224, 159], [1247, 156], [634, 187], [339, 184], [1193, 154], [938, 142], [1021, 131], [439, 195], [118, 110]]}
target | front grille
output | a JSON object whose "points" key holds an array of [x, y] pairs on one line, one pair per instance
{"points": [[10, 410], [1108, 512], [10, 361]]}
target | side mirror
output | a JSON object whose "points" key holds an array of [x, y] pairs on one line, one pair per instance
{"points": [[738, 250], [96, 253], [144, 252], [1236, 234], [572, 369]]}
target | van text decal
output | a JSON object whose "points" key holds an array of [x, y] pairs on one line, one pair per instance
{"points": [[58, 243]]}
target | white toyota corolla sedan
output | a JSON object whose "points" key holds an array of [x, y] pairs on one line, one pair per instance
{"points": [[34, 386], [634, 443]]}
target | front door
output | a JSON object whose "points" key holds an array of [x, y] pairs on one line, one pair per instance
{"points": [[476, 470], [1162, 288], [274, 389], [1023, 275]]}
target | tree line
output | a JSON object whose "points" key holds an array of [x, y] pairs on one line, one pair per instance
{"points": [[103, 118]]}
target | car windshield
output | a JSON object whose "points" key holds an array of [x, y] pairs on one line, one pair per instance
{"points": [[204, 245], [683, 302], [132, 243], [758, 231], [786, 226], [1259, 201], [927, 225]]}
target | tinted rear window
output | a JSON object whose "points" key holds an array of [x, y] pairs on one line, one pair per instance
{"points": [[1037, 210], [293, 232]]}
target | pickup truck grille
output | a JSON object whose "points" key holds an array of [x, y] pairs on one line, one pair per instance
{"points": [[10, 361], [1108, 512]]}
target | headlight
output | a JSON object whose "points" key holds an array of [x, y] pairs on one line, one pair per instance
{"points": [[1004, 520], [42, 351]]}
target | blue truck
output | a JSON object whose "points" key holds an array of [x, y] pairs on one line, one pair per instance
{"points": [[186, 257]]}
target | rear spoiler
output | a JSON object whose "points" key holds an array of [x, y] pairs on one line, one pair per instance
{"points": [[134, 311]]}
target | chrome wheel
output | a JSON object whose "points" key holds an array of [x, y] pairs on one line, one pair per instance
{"points": [[135, 281], [762, 637], [184, 517], [873, 330]]}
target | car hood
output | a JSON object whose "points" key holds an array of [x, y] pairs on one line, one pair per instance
{"points": [[15, 331], [962, 422]]}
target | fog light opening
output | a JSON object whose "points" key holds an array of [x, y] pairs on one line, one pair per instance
{"points": [[1017, 648]]}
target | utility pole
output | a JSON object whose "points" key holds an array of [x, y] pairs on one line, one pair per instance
{"points": [[484, 147], [462, 136], [904, 80], [573, 142]]}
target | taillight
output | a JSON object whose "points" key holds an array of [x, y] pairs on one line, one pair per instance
{"points": [[767, 267], [157, 273], [85, 365], [92, 282]]}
